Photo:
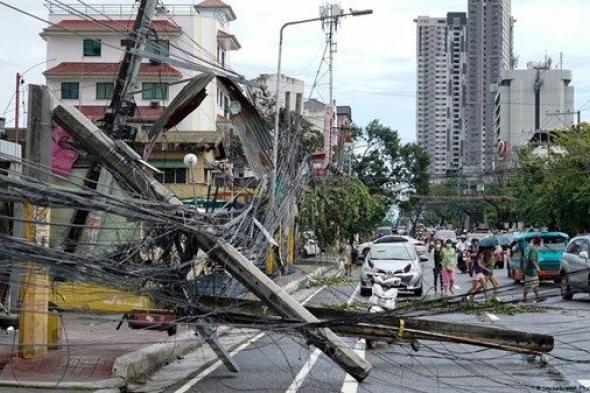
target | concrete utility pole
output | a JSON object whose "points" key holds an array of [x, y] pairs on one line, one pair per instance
{"points": [[17, 106], [323, 17], [120, 108], [35, 278]]}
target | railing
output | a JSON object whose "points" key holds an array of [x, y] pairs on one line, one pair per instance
{"points": [[121, 10]]}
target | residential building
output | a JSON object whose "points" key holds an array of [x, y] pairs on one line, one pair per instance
{"points": [[84, 57], [441, 90], [529, 103], [314, 111], [290, 91], [489, 50]]}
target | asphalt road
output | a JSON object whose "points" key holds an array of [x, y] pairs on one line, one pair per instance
{"points": [[281, 362]]}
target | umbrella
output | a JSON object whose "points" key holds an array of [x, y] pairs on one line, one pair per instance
{"points": [[496, 240]]}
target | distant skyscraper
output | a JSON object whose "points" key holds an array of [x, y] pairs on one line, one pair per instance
{"points": [[441, 95], [489, 52]]}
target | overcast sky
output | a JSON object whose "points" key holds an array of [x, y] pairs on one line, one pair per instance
{"points": [[375, 66]]}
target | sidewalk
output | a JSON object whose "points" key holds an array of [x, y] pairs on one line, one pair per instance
{"points": [[94, 355]]}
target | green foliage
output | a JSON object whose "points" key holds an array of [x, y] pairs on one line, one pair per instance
{"points": [[385, 165], [341, 207], [554, 190]]}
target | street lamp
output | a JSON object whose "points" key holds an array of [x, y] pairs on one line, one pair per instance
{"points": [[275, 145], [190, 161], [19, 82]]}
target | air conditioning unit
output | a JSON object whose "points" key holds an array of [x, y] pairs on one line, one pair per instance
{"points": [[154, 104]]}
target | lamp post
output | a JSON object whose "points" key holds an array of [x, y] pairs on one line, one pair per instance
{"points": [[19, 82], [190, 161], [277, 87]]}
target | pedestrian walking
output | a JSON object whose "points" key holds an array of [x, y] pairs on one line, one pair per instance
{"points": [[461, 247], [437, 270], [488, 263], [449, 263], [478, 280], [347, 258], [531, 270]]}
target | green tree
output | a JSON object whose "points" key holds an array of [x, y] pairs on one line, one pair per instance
{"points": [[385, 165], [341, 207], [553, 189]]}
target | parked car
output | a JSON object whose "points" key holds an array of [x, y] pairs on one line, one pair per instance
{"points": [[309, 246], [552, 247], [398, 259], [574, 267]]}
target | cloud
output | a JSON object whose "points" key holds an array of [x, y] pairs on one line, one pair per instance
{"points": [[375, 63]]}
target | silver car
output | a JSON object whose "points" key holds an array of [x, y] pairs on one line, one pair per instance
{"points": [[398, 259], [574, 268]]}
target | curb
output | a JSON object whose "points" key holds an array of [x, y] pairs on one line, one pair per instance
{"points": [[134, 365], [103, 384], [321, 272]]}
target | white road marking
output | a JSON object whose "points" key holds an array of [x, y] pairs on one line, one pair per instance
{"points": [[584, 382], [354, 294], [298, 381], [350, 384], [184, 388], [306, 369], [492, 316]]}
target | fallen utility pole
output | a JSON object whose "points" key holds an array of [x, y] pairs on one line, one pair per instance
{"points": [[122, 163], [360, 324]]}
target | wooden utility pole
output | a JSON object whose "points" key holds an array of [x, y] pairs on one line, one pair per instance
{"points": [[35, 279]]}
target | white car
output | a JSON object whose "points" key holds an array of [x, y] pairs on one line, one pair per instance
{"points": [[310, 248], [398, 259]]}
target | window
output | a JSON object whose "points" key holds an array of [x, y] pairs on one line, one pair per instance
{"points": [[171, 175], [104, 90], [158, 47], [70, 90], [154, 91], [91, 47]]}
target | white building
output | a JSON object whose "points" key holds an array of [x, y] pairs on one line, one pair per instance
{"points": [[290, 91], [441, 91], [530, 102], [84, 56]]}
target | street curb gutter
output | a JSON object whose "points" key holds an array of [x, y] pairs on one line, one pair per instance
{"points": [[134, 365], [109, 383]]}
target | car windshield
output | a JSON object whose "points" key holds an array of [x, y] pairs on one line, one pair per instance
{"points": [[389, 251], [381, 232], [553, 244], [445, 235]]}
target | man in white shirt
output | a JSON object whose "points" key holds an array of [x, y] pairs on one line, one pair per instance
{"points": [[461, 246]]}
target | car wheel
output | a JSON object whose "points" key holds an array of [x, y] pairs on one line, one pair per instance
{"points": [[366, 291], [418, 292], [566, 290]]}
